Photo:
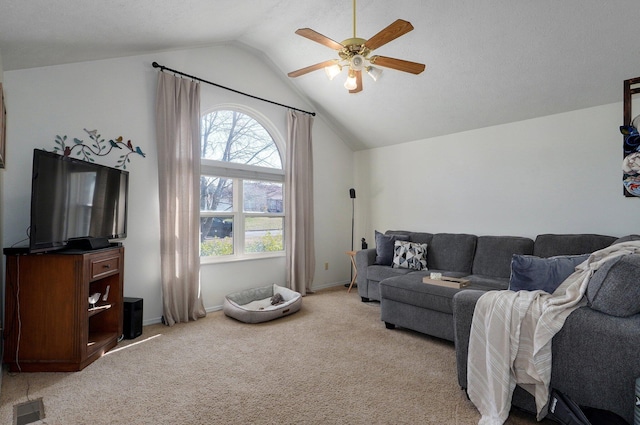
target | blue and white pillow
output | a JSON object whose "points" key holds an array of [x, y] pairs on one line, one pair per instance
{"points": [[410, 255]]}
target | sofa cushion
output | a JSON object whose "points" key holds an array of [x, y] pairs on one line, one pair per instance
{"points": [[404, 233], [615, 288], [452, 252], [384, 247], [493, 254], [488, 282], [410, 255], [421, 237], [627, 238], [410, 290], [379, 273], [549, 245], [530, 273]]}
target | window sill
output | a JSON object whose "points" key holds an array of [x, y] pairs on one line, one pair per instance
{"points": [[237, 258]]}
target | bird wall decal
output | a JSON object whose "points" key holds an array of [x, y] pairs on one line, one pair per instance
{"points": [[98, 146]]}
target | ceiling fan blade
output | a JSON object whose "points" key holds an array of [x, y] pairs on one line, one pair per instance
{"points": [[311, 68], [390, 33], [358, 82], [399, 64], [319, 38]]}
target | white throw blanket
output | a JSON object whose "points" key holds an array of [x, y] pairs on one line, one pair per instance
{"points": [[510, 341]]}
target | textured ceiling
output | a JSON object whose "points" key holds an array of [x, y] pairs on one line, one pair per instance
{"points": [[488, 62]]}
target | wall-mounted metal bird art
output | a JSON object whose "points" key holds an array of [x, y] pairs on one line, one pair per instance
{"points": [[98, 147]]}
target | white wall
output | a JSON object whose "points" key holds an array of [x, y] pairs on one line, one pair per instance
{"points": [[117, 97], [555, 174]]}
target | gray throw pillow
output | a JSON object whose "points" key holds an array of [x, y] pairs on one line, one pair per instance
{"points": [[385, 247], [627, 238], [615, 287], [529, 273]]}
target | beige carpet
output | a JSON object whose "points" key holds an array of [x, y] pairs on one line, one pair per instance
{"points": [[333, 362]]}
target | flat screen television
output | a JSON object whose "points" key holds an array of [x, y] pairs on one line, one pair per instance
{"points": [[74, 200]]}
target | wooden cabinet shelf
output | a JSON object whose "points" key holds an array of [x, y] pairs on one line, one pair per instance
{"points": [[99, 343], [50, 325], [98, 309]]}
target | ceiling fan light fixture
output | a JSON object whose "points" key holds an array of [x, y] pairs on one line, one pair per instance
{"points": [[357, 62], [351, 82], [332, 71], [374, 73]]}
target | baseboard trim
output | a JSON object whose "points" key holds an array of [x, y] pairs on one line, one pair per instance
{"points": [[211, 309], [330, 285]]}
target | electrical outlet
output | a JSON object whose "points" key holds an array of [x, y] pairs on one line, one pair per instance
{"points": [[326, 266]]}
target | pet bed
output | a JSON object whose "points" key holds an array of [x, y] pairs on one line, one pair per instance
{"points": [[262, 304]]}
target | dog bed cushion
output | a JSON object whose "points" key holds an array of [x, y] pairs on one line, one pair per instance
{"points": [[254, 305]]}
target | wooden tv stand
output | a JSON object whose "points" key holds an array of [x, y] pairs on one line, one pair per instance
{"points": [[49, 324]]}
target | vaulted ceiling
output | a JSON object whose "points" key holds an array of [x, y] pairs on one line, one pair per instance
{"points": [[488, 62]]}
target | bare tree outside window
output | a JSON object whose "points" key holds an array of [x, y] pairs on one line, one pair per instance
{"points": [[234, 137]]}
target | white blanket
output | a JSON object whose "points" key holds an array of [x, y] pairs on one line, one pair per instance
{"points": [[510, 341]]}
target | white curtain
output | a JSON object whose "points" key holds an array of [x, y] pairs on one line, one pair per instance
{"points": [[178, 137], [299, 238]]}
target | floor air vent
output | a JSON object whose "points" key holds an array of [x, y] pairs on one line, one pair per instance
{"points": [[29, 412]]}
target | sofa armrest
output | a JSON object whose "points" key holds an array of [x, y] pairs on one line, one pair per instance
{"points": [[364, 258], [595, 359], [464, 303], [594, 356]]}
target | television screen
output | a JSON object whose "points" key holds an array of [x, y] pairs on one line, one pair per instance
{"points": [[71, 199]]}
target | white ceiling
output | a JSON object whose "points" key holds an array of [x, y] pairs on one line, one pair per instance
{"points": [[488, 62]]}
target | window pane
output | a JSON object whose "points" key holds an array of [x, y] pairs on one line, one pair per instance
{"points": [[236, 138], [216, 194], [261, 196], [264, 234], [232, 136], [216, 236]]}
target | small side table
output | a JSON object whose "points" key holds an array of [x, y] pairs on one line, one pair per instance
{"points": [[352, 255]]}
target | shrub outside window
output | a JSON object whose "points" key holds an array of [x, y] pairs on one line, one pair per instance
{"points": [[241, 188]]}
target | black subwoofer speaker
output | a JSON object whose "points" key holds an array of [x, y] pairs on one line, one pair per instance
{"points": [[132, 324]]}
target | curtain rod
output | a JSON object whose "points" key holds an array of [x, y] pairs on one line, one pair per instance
{"points": [[162, 68]]}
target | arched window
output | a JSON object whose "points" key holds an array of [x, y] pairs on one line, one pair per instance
{"points": [[241, 188]]}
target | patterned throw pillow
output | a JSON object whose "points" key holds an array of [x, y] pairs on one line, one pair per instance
{"points": [[410, 255]]}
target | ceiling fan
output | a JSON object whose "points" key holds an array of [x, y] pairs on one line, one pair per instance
{"points": [[355, 53]]}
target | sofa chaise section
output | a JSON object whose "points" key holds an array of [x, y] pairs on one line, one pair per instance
{"points": [[484, 261]]}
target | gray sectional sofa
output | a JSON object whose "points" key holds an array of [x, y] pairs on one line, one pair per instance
{"points": [[595, 355], [485, 260]]}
